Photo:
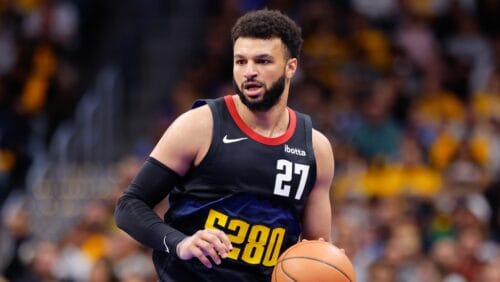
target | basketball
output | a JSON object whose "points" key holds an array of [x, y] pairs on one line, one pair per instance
{"points": [[313, 261]]}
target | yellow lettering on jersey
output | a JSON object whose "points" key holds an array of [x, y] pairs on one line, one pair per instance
{"points": [[257, 239], [216, 220], [260, 244], [241, 229], [275, 242]]}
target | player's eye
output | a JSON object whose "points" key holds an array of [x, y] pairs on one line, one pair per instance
{"points": [[239, 62], [264, 61]]}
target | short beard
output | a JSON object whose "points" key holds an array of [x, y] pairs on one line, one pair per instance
{"points": [[270, 98]]}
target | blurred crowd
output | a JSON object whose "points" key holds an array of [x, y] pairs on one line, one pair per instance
{"points": [[89, 249], [408, 91], [39, 81]]}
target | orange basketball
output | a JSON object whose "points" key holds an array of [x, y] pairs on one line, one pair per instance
{"points": [[313, 261]]}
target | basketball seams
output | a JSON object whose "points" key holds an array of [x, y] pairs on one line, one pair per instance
{"points": [[286, 273], [315, 259]]}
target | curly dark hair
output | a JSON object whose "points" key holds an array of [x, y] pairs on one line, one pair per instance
{"points": [[267, 24]]}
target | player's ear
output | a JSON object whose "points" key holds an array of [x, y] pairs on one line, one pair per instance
{"points": [[291, 67]]}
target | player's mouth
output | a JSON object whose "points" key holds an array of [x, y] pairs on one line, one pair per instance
{"points": [[253, 88]]}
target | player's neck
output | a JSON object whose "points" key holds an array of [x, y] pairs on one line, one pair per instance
{"points": [[271, 123]]}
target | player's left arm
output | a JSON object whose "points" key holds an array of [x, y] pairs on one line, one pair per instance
{"points": [[317, 220]]}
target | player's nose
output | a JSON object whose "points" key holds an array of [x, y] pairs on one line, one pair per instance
{"points": [[250, 71]]}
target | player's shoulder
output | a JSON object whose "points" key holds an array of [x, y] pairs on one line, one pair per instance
{"points": [[323, 153], [320, 140], [194, 121], [196, 115]]}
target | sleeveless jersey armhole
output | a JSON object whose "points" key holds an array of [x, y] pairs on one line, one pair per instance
{"points": [[214, 143], [310, 149]]}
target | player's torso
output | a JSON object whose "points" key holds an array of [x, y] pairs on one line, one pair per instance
{"points": [[242, 161], [251, 187]]}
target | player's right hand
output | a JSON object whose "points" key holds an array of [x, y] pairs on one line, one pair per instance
{"points": [[205, 243]]}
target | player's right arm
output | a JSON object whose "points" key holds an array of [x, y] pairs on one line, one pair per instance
{"points": [[183, 145]]}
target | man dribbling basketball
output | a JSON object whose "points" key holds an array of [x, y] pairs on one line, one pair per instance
{"points": [[246, 175]]}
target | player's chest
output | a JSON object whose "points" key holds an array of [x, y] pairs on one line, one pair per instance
{"points": [[284, 170]]}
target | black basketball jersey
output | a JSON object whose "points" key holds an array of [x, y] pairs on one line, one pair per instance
{"points": [[252, 187]]}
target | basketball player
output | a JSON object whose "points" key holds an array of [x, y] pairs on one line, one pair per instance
{"points": [[246, 175]]}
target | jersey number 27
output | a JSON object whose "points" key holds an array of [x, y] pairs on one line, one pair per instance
{"points": [[287, 170]]}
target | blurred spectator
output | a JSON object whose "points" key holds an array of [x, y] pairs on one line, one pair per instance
{"points": [[381, 271], [491, 272], [16, 241], [464, 174], [376, 9], [314, 98], [416, 39], [404, 248], [55, 21], [445, 254], [378, 135], [128, 258], [410, 177], [373, 43], [426, 270], [324, 49], [470, 265], [102, 271], [469, 46]]}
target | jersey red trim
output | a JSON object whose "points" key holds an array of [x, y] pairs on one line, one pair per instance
{"points": [[256, 136]]}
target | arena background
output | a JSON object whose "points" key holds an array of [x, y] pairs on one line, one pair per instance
{"points": [[408, 91]]}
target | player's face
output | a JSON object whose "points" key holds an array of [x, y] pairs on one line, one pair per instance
{"points": [[261, 71]]}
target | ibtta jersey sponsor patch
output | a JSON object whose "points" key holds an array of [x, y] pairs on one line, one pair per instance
{"points": [[295, 151]]}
